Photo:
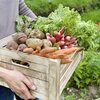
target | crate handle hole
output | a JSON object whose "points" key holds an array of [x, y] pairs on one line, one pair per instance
{"points": [[20, 63]]}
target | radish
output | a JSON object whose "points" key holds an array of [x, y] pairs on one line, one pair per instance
{"points": [[50, 37], [61, 43], [63, 38], [71, 45], [57, 36], [67, 43], [67, 38], [62, 30], [64, 47]]}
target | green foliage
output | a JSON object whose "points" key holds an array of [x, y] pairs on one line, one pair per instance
{"points": [[88, 71], [92, 15], [44, 7], [71, 97], [86, 32]]}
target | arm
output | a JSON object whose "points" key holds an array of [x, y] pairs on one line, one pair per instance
{"points": [[24, 10], [17, 82]]}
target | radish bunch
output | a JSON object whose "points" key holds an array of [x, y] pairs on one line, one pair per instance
{"points": [[62, 40]]}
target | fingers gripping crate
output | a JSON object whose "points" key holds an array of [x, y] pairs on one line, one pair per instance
{"points": [[49, 76]]}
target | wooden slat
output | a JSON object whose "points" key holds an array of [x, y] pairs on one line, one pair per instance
{"points": [[63, 68], [32, 66], [28, 72], [24, 56], [39, 83], [66, 76], [54, 80]]}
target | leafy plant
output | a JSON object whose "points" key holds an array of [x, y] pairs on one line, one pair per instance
{"points": [[88, 71], [86, 32]]}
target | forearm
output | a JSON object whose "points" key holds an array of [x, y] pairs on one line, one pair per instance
{"points": [[24, 10]]}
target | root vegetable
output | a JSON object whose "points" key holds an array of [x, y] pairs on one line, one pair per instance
{"points": [[57, 36], [20, 37], [62, 30], [28, 50], [47, 50], [37, 50], [68, 38], [47, 43], [65, 60], [12, 45], [57, 56], [21, 47], [67, 51], [61, 43], [36, 33], [50, 37], [34, 43]]}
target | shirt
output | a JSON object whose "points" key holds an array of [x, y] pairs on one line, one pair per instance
{"points": [[9, 9]]}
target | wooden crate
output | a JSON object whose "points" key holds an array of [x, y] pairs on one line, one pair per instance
{"points": [[48, 75]]}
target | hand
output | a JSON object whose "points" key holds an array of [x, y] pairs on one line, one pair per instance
{"points": [[19, 84]]}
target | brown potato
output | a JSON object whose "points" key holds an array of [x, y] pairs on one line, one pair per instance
{"points": [[12, 45], [21, 47], [20, 38]]}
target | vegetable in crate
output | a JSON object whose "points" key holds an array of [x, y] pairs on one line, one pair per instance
{"points": [[63, 54], [61, 39], [34, 43], [21, 47], [20, 38], [47, 43], [36, 33], [12, 45], [28, 50]]}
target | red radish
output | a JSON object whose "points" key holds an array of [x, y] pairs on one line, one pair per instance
{"points": [[57, 36], [71, 45], [73, 39], [67, 43], [61, 43], [63, 38], [67, 38], [62, 30], [50, 37], [64, 47]]}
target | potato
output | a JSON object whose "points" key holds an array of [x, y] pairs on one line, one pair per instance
{"points": [[21, 47], [37, 34], [34, 43], [47, 43], [20, 37], [12, 45]]}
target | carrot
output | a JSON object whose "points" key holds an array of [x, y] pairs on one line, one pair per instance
{"points": [[47, 50], [28, 50], [65, 61], [67, 50], [35, 52], [38, 48], [57, 56]]}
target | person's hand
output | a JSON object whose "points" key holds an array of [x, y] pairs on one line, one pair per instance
{"points": [[19, 84]]}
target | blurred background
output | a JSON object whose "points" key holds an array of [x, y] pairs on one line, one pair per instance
{"points": [[89, 9]]}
